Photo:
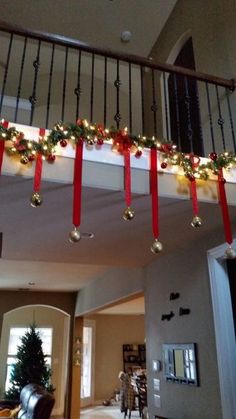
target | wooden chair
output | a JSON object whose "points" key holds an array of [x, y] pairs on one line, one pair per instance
{"points": [[141, 384]]}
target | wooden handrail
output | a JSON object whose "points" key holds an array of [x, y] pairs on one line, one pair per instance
{"points": [[130, 58]]}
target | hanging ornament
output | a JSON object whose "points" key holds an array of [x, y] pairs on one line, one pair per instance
{"points": [[163, 165], [63, 143], [51, 158], [230, 253], [138, 153], [74, 235], [128, 214], [36, 200], [196, 222], [213, 156], [156, 246], [24, 159]]}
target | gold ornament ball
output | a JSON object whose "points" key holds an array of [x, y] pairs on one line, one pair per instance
{"points": [[156, 246], [196, 222], [230, 253], [128, 214], [75, 236], [24, 159], [36, 200]]}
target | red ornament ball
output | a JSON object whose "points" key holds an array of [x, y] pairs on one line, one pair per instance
{"points": [[138, 154], [163, 165], [100, 141], [31, 157], [63, 143], [213, 156], [51, 158]]}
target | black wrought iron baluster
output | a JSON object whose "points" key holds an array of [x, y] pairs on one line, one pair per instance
{"points": [[20, 79], [221, 120], [200, 121], [64, 86], [177, 111], [142, 100], [105, 92], [230, 117], [117, 84], [92, 90], [166, 107], [6, 72], [33, 98], [154, 103], [77, 90], [210, 117], [130, 100], [187, 100], [50, 85]]}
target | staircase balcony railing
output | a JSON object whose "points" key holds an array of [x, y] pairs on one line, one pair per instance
{"points": [[47, 78]]}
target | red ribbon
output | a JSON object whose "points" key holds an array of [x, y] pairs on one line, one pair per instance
{"points": [[127, 177], [154, 192], [77, 183], [224, 207], [193, 191], [2, 146], [38, 166]]}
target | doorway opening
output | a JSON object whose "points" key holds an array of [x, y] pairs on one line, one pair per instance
{"points": [[119, 327]]}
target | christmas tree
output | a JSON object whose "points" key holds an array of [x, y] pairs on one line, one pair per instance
{"points": [[30, 366]]}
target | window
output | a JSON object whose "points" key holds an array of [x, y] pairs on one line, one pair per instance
{"points": [[16, 333]]}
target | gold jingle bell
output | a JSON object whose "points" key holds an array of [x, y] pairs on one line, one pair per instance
{"points": [[24, 159], [230, 253], [75, 236], [128, 214], [36, 200], [196, 222], [156, 246]]}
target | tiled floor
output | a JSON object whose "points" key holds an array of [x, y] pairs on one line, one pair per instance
{"points": [[109, 412]]}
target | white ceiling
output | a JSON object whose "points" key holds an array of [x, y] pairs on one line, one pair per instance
{"points": [[96, 22]]}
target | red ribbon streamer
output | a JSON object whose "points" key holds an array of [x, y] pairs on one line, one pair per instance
{"points": [[127, 177], [38, 166], [154, 192], [224, 207], [193, 191], [77, 183], [2, 146]]}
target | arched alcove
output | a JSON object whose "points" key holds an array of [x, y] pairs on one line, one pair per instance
{"points": [[42, 316]]}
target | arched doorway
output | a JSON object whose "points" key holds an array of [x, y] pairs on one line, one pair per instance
{"points": [[184, 114]]}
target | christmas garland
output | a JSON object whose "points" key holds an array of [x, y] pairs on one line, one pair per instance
{"points": [[91, 135], [96, 135]]}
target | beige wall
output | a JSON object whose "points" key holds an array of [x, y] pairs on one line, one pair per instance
{"points": [[112, 331]]}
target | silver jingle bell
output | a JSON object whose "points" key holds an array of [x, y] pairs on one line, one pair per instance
{"points": [[74, 235], [230, 253], [196, 222], [128, 214], [36, 200], [156, 246]]}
